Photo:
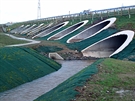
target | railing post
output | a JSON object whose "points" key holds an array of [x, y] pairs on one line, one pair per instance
{"points": [[129, 13]]}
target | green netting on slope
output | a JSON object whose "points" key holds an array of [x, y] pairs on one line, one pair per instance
{"points": [[18, 66], [71, 22], [46, 37], [64, 39], [48, 61], [87, 42], [66, 90], [128, 53]]}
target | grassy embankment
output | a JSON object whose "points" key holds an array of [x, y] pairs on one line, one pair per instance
{"points": [[21, 65], [115, 81], [6, 40], [125, 23]]}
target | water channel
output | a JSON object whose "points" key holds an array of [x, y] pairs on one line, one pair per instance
{"points": [[32, 90]]}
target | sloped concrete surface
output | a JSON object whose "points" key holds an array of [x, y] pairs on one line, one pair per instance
{"points": [[110, 45], [91, 31]]}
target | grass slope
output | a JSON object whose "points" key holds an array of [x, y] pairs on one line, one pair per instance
{"points": [[21, 65], [6, 40], [125, 23], [113, 76]]}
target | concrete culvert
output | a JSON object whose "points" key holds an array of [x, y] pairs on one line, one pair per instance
{"points": [[50, 30], [16, 29], [67, 31], [91, 31], [44, 28], [110, 45], [26, 31], [24, 28], [35, 30]]}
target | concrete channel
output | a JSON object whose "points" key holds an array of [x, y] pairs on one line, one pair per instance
{"points": [[28, 29], [91, 31], [14, 31], [110, 45], [67, 31], [50, 30], [35, 30]]}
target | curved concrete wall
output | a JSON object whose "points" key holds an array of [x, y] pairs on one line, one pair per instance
{"points": [[25, 27], [35, 30], [16, 29], [52, 29], [110, 45], [42, 30], [26, 30], [91, 31], [67, 31]]}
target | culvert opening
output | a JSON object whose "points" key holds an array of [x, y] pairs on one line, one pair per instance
{"points": [[88, 32], [29, 29], [106, 47], [65, 32], [53, 57]]}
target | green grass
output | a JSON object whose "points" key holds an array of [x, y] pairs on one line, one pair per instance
{"points": [[6, 40], [126, 23], [21, 65], [114, 75]]}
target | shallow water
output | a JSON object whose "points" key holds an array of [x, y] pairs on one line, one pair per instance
{"points": [[32, 90]]}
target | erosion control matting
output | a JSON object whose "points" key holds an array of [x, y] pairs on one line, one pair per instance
{"points": [[66, 90], [21, 65], [128, 53], [87, 42]]}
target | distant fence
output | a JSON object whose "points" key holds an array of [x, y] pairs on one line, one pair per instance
{"points": [[126, 10]]}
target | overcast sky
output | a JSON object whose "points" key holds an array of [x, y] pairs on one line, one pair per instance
{"points": [[23, 10]]}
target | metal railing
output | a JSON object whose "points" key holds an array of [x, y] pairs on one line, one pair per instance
{"points": [[119, 11]]}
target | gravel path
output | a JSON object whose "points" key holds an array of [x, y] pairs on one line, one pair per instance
{"points": [[32, 90]]}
